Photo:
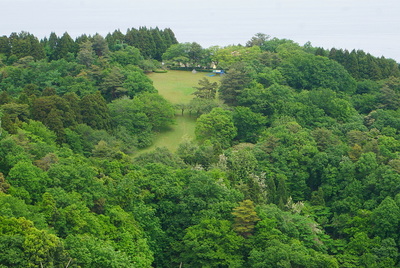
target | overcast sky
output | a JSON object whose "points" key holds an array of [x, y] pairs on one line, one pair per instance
{"points": [[371, 25]]}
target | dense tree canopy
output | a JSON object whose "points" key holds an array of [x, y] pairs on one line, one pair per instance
{"points": [[295, 161]]}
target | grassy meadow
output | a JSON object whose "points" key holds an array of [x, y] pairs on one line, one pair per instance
{"points": [[177, 87]]}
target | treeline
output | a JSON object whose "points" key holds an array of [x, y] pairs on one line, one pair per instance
{"points": [[363, 65], [359, 64], [152, 43], [295, 162]]}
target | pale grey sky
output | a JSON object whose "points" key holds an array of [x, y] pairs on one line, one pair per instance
{"points": [[371, 25]]}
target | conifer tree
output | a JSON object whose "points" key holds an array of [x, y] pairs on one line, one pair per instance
{"points": [[65, 45], [245, 218]]}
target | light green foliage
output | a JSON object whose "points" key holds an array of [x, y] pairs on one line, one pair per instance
{"points": [[278, 254], [24, 175], [71, 173], [227, 56], [245, 218], [11, 153], [216, 126], [270, 76], [136, 82], [15, 207], [86, 55], [127, 55], [241, 162], [279, 99], [362, 251], [188, 54], [212, 243], [89, 251], [158, 110], [129, 238], [39, 133], [272, 246], [23, 245]]}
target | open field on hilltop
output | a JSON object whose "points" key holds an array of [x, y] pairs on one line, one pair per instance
{"points": [[178, 86]]}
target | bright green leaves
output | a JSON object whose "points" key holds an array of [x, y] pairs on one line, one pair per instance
{"points": [[22, 245], [28, 181], [216, 126], [212, 243], [245, 218]]}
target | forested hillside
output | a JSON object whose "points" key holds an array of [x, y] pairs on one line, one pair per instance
{"points": [[295, 163]]}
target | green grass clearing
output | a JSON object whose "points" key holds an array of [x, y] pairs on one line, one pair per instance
{"points": [[177, 87], [181, 131]]}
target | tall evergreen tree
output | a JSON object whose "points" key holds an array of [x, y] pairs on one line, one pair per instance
{"points": [[234, 82], [100, 46], [159, 43], [5, 46], [86, 54], [51, 46], [65, 45]]}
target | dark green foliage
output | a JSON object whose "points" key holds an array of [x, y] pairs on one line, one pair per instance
{"points": [[152, 43], [65, 47], [234, 83], [95, 112], [25, 44], [248, 124], [363, 65], [55, 113], [305, 71]]}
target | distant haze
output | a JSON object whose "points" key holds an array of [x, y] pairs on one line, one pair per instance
{"points": [[373, 26]]}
